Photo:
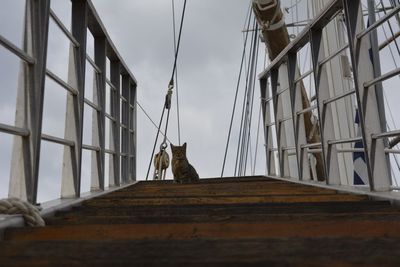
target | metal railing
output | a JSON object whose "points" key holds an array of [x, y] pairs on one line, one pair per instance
{"points": [[27, 131], [284, 71]]}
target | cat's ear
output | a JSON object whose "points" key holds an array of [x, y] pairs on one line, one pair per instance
{"points": [[184, 145]]}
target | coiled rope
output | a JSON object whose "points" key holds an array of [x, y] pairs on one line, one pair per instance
{"points": [[14, 206]]}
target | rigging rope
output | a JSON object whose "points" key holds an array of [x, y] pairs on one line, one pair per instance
{"points": [[151, 120], [176, 76], [250, 106], [236, 93], [167, 103], [242, 121], [241, 157]]}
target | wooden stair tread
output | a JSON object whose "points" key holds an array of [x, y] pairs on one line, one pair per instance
{"points": [[230, 230], [248, 252], [215, 222]]}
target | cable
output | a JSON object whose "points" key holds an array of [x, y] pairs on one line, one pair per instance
{"points": [[155, 143], [176, 75], [251, 103], [179, 40], [236, 96], [167, 104], [151, 120], [239, 157], [390, 28], [243, 139]]}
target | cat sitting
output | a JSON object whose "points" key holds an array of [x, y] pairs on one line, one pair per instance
{"points": [[182, 170]]}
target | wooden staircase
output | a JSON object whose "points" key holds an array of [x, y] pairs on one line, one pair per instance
{"points": [[252, 221]]}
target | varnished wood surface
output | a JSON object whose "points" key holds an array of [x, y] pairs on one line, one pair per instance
{"points": [[216, 222], [365, 252]]}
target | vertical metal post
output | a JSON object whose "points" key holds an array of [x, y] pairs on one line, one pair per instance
{"points": [[324, 111], [26, 150], [376, 63], [375, 156], [132, 132], [265, 106], [298, 121], [283, 168], [72, 159], [100, 51], [125, 129], [115, 129]]}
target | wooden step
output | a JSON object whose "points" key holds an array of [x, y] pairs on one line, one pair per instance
{"points": [[231, 230], [194, 200], [201, 252], [213, 218], [347, 207], [215, 222], [251, 189]]}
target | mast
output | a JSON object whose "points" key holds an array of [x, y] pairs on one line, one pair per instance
{"points": [[274, 31]]}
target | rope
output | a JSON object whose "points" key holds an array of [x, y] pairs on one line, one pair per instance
{"points": [[176, 76], [155, 143], [31, 214], [167, 103], [151, 120], [247, 100], [179, 41], [236, 95], [242, 120]]}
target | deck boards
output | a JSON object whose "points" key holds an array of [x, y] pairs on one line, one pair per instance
{"points": [[216, 222]]}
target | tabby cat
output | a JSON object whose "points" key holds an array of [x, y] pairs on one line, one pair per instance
{"points": [[181, 168]]}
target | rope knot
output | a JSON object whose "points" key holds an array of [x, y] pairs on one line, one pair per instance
{"points": [[31, 214]]}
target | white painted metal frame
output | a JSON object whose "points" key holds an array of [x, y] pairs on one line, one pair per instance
{"points": [[365, 81], [30, 96]]}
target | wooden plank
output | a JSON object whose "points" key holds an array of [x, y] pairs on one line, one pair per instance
{"points": [[213, 218], [279, 229], [221, 190], [255, 252], [221, 200], [245, 209]]}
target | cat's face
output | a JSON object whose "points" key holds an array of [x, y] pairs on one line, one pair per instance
{"points": [[179, 152]]}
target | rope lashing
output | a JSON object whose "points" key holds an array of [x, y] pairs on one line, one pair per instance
{"points": [[272, 24], [160, 169], [167, 104], [14, 206]]}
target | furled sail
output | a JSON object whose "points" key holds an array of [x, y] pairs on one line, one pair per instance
{"points": [[274, 31]]}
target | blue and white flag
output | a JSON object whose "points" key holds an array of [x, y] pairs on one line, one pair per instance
{"points": [[360, 167]]}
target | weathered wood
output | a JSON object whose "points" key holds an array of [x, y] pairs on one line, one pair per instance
{"points": [[219, 223], [246, 209], [255, 252], [213, 218], [221, 200], [235, 230], [258, 188]]}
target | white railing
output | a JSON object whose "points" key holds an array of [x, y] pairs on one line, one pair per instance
{"points": [[288, 151], [111, 105]]}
